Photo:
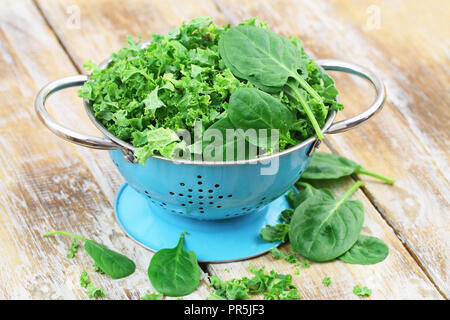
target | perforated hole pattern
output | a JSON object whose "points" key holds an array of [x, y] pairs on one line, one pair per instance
{"points": [[202, 197]]}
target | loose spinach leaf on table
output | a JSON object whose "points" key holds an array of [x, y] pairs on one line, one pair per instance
{"points": [[367, 250], [110, 262], [325, 166], [268, 60], [279, 232], [174, 272], [308, 191], [322, 230]]}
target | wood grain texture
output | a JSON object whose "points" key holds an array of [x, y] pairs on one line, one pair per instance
{"points": [[56, 185], [409, 139], [102, 31], [48, 184]]}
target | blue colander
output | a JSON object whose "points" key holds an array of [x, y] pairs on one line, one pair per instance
{"points": [[221, 205]]}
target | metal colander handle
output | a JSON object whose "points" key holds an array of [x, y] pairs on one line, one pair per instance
{"points": [[107, 144], [59, 129], [376, 106]]}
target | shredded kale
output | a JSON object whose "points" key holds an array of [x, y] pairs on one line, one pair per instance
{"points": [[95, 293], [91, 290], [73, 249], [152, 296], [273, 286], [84, 279], [326, 281], [362, 292]]}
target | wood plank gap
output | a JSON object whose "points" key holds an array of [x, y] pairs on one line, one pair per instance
{"points": [[60, 38], [404, 240]]}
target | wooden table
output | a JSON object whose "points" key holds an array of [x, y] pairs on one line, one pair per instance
{"points": [[47, 183]]}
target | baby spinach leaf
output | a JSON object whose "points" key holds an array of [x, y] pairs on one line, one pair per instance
{"points": [[174, 272], [251, 108], [274, 233], [152, 102], [267, 60], [308, 191], [110, 262], [367, 250], [259, 55], [322, 230], [325, 166]]}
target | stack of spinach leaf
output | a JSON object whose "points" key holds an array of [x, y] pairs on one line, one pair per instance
{"points": [[213, 74], [323, 228]]}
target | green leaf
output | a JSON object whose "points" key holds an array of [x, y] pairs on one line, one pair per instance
{"points": [[152, 296], [308, 191], [174, 272], [322, 230], [286, 215], [157, 141], [110, 262], [326, 281], [251, 108], [277, 254], [326, 166], [84, 279], [152, 102], [268, 60], [259, 55], [73, 249], [362, 291], [95, 293], [274, 233], [367, 250]]}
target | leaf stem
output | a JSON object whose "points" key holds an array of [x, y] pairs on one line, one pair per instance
{"points": [[305, 85], [308, 111], [351, 191], [376, 175], [65, 233]]}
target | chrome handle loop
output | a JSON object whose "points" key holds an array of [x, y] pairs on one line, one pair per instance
{"points": [[376, 106], [59, 129]]}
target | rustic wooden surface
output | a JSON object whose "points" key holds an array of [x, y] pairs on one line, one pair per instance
{"points": [[48, 184]]}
